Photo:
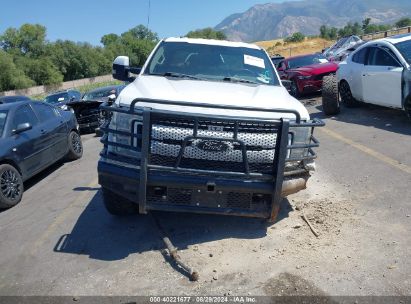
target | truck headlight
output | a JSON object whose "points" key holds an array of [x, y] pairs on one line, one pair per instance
{"points": [[123, 122], [299, 136]]}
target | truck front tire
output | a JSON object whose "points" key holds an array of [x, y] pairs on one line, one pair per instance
{"points": [[330, 96], [117, 205]]}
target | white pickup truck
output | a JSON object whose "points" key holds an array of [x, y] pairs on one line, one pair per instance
{"points": [[205, 126], [378, 72]]}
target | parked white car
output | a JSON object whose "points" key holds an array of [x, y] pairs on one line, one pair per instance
{"points": [[377, 72]]}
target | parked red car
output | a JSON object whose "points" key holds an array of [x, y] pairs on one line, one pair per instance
{"points": [[306, 72]]}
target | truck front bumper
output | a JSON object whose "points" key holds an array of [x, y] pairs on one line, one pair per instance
{"points": [[171, 191], [202, 163]]}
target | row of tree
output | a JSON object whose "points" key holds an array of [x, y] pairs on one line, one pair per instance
{"points": [[366, 27], [28, 59]]}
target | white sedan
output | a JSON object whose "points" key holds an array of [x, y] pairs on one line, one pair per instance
{"points": [[378, 72]]}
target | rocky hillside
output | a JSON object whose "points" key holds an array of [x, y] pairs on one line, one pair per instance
{"points": [[274, 20]]}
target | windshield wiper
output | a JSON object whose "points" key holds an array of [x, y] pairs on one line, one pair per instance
{"points": [[177, 75], [234, 79]]}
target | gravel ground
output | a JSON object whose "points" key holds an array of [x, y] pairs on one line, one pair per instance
{"points": [[60, 240]]}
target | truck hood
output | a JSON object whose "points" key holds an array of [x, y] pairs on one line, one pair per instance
{"points": [[318, 68], [212, 92]]}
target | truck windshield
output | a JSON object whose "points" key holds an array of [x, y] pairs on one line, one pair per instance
{"points": [[3, 117], [405, 49], [212, 62]]}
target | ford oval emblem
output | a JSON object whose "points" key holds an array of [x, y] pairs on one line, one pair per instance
{"points": [[213, 146]]}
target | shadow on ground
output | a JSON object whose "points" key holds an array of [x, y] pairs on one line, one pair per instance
{"points": [[42, 175], [387, 119], [102, 236]]}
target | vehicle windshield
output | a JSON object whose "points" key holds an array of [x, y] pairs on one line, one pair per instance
{"points": [[212, 62], [306, 60], [405, 49], [57, 98], [99, 94], [3, 117]]}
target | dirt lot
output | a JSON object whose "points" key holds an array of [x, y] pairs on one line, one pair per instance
{"points": [[60, 240]]}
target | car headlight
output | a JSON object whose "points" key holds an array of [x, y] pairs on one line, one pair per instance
{"points": [[64, 107], [123, 122], [304, 77]]}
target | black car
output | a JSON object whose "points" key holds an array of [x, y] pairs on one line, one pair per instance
{"points": [[33, 135], [103, 94], [99, 96], [62, 98], [86, 109], [7, 99], [276, 59]]}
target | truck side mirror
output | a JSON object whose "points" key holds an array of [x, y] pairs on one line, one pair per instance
{"points": [[121, 69]]}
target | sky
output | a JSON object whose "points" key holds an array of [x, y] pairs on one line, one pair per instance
{"points": [[89, 20]]}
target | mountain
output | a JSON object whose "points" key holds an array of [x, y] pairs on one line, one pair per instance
{"points": [[275, 20]]}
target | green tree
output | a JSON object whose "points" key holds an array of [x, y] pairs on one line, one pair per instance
{"points": [[11, 77], [296, 37], [136, 43], [373, 28], [27, 58], [78, 60], [350, 29], [207, 33], [403, 22], [43, 72], [365, 23], [109, 39], [29, 39], [329, 33], [140, 32]]}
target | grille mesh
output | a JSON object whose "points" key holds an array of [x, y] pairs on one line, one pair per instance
{"points": [[168, 135]]}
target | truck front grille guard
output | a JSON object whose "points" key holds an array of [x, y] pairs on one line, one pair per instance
{"points": [[141, 142]]}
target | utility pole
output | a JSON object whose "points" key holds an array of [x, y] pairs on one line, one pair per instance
{"points": [[148, 14]]}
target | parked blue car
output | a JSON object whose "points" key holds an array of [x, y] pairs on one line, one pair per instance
{"points": [[7, 99], [33, 136]]}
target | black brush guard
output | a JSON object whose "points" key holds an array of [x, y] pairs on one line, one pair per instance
{"points": [[141, 140]]}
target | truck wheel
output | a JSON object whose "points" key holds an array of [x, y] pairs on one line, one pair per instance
{"points": [[117, 205], [11, 186], [330, 96], [75, 146], [346, 95]]}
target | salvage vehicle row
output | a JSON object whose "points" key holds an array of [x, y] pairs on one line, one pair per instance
{"points": [[378, 73]]}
